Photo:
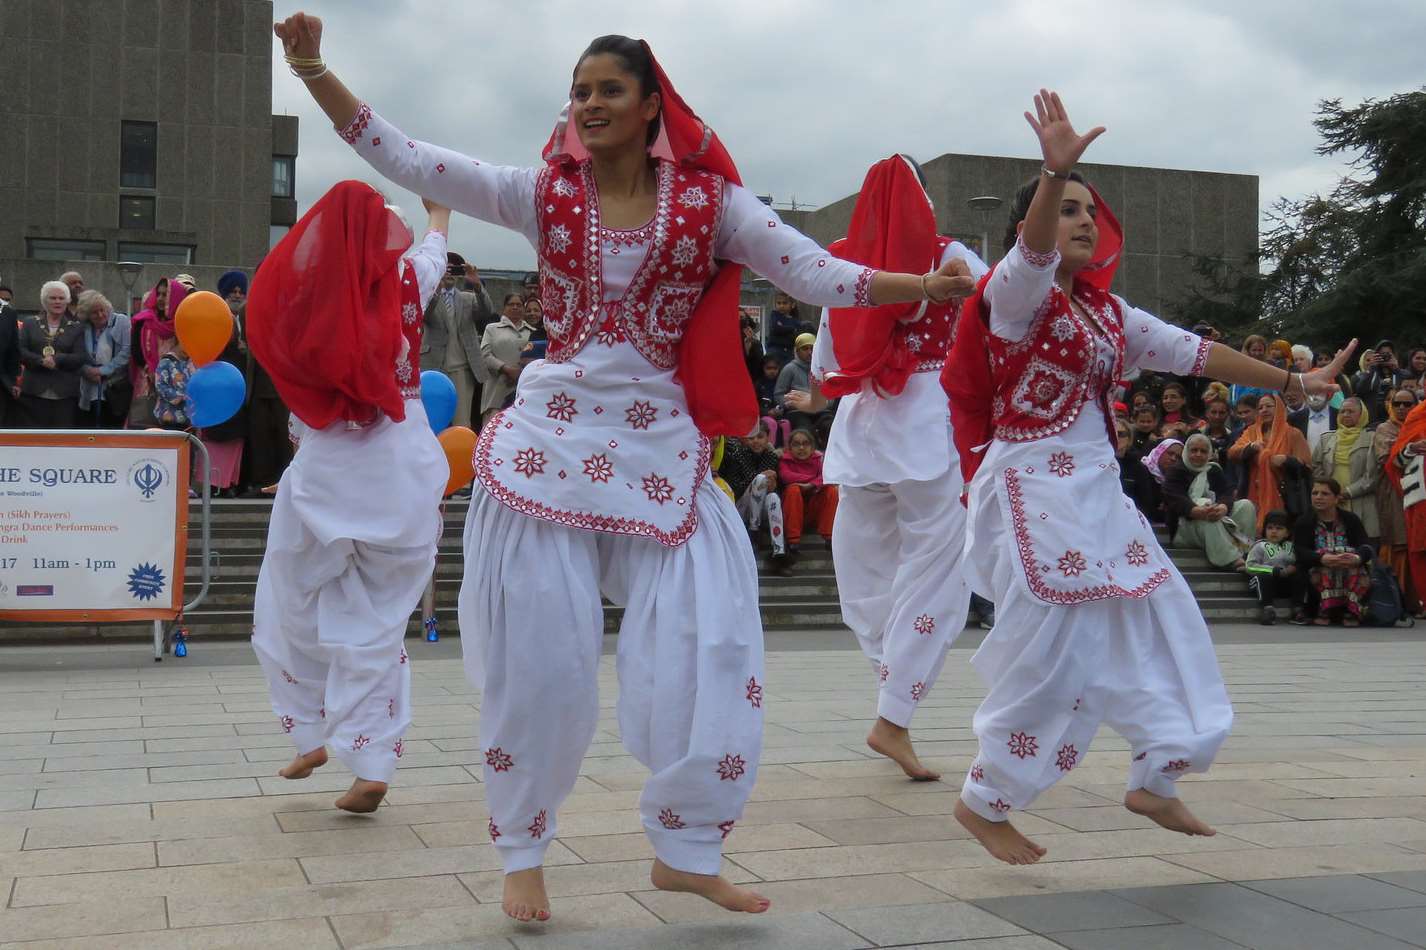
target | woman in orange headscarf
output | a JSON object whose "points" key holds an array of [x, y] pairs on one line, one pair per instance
{"points": [[1266, 447], [1404, 467]]}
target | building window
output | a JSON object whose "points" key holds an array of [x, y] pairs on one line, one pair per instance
{"points": [[136, 212], [138, 155], [52, 249], [283, 168], [145, 253]]}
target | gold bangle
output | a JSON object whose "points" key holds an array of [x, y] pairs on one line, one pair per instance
{"points": [[306, 76], [303, 60], [925, 292]]}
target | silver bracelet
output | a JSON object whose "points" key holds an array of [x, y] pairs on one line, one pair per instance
{"points": [[1049, 172]]}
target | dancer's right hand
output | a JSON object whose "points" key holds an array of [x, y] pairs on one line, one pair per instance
{"points": [[301, 35], [1060, 144]]}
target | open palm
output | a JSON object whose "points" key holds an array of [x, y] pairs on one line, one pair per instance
{"points": [[1323, 380], [1060, 144]]}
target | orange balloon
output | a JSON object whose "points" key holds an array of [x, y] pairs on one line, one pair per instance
{"points": [[459, 445], [204, 326]]}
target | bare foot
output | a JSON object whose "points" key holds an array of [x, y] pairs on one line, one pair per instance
{"points": [[1171, 813], [710, 886], [894, 742], [363, 797], [302, 766], [525, 899], [1002, 839]]}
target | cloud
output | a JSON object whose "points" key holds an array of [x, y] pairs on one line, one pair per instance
{"points": [[807, 94]]}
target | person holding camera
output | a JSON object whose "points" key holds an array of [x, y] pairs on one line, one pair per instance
{"points": [[455, 320], [1380, 374]]}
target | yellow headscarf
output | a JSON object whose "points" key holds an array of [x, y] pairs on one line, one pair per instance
{"points": [[1347, 436]]}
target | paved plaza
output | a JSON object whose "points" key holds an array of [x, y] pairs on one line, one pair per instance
{"points": [[140, 810]]}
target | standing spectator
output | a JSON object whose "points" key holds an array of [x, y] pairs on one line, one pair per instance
{"points": [[501, 347], [752, 347], [7, 296], [1280, 353], [1256, 347], [1345, 454], [9, 362], [104, 388], [1202, 512], [151, 335], [806, 501], [450, 342], [795, 376], [1302, 359], [225, 440], [784, 326], [1391, 514], [1174, 402], [1379, 375], [75, 282], [1332, 544], [1415, 367], [1404, 467], [267, 446], [1272, 451], [52, 352], [1314, 419], [535, 317]]}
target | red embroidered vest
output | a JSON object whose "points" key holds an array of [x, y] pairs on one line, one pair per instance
{"points": [[928, 338], [1043, 380], [664, 290], [408, 375]]}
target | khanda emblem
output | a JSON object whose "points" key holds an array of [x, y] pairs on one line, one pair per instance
{"points": [[148, 478]]}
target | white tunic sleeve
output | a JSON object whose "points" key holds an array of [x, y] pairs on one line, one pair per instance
{"points": [[1022, 281], [751, 233], [824, 358], [499, 194], [958, 250], [428, 260], [1151, 344]]}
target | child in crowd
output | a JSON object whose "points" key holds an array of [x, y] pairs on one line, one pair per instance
{"points": [[750, 470], [1272, 566], [171, 407], [806, 501]]}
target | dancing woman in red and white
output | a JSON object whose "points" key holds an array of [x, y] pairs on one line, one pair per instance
{"points": [[596, 480], [1093, 622]]}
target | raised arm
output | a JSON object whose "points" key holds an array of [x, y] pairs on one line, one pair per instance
{"points": [[428, 256]]}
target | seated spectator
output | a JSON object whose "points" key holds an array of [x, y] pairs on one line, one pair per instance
{"points": [[1173, 430], [1134, 479], [750, 469], [806, 501], [1273, 452], [1391, 513], [1215, 425], [1158, 463], [1137, 400], [171, 407], [1345, 454], [51, 354], [1332, 545], [1272, 568], [1201, 511], [104, 388], [1174, 403], [1379, 374], [1146, 427], [795, 376]]}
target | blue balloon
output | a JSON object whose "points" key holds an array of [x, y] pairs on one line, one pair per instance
{"points": [[438, 395], [217, 392]]}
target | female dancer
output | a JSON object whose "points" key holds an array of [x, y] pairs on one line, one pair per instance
{"points": [[1094, 624], [335, 319], [900, 529], [596, 479]]}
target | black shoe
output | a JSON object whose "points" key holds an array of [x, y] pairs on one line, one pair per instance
{"points": [[1299, 618], [1269, 617]]}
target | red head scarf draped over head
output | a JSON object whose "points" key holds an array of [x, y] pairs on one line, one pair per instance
{"points": [[324, 315], [722, 402], [967, 378], [893, 228]]}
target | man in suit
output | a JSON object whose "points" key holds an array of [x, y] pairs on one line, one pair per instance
{"points": [[1312, 418], [9, 362], [450, 342]]}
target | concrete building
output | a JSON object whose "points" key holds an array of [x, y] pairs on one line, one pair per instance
{"points": [[138, 131], [1169, 216]]}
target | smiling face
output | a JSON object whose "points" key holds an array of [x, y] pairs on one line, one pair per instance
{"points": [[800, 445], [1078, 232], [1257, 349], [1172, 399], [534, 312], [757, 442], [607, 108], [1267, 406]]}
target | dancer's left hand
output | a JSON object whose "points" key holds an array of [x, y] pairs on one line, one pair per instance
{"points": [[1323, 380]]}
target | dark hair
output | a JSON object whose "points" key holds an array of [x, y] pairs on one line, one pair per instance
{"points": [[1147, 407], [1247, 399], [915, 167], [634, 57], [7, 287], [1331, 483], [811, 437], [1277, 517], [764, 428], [1020, 206], [517, 296]]}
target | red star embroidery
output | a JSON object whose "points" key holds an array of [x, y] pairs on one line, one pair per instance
{"points": [[883, 673], [493, 828], [440, 168], [917, 691], [399, 748], [658, 488], [726, 827], [599, 468], [1177, 767], [537, 827], [360, 742], [641, 414], [376, 140], [561, 407], [1023, 745], [755, 693], [1043, 390], [402, 658], [530, 462], [289, 677], [1136, 554], [731, 768], [977, 774], [1062, 464], [925, 625], [1067, 757], [1000, 805], [1072, 564], [287, 723], [498, 759], [670, 821]]}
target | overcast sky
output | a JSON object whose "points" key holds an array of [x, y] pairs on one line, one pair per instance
{"points": [[807, 94]]}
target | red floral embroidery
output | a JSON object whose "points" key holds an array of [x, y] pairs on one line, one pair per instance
{"points": [[1200, 361], [537, 827], [360, 742], [1067, 757], [861, 295], [1177, 767], [884, 672], [402, 658], [1000, 805], [399, 748], [498, 759], [287, 723], [641, 414], [493, 828], [289, 677], [977, 774], [1022, 745], [658, 488], [925, 625], [561, 407], [755, 693], [610, 333], [671, 821], [731, 768], [726, 827], [1072, 564], [357, 126], [1136, 554], [1062, 464], [917, 691], [599, 468], [530, 462]]}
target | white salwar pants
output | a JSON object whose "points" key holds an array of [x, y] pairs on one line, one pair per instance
{"points": [[760, 499], [346, 562], [690, 666], [898, 551]]}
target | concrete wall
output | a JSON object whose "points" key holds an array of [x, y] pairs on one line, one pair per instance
{"points": [[74, 69], [1168, 215]]}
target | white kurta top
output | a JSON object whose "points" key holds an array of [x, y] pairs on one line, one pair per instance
{"points": [[604, 440], [885, 440], [1056, 502]]}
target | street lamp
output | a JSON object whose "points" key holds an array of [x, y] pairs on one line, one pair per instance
{"points": [[129, 272], [983, 205]]}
